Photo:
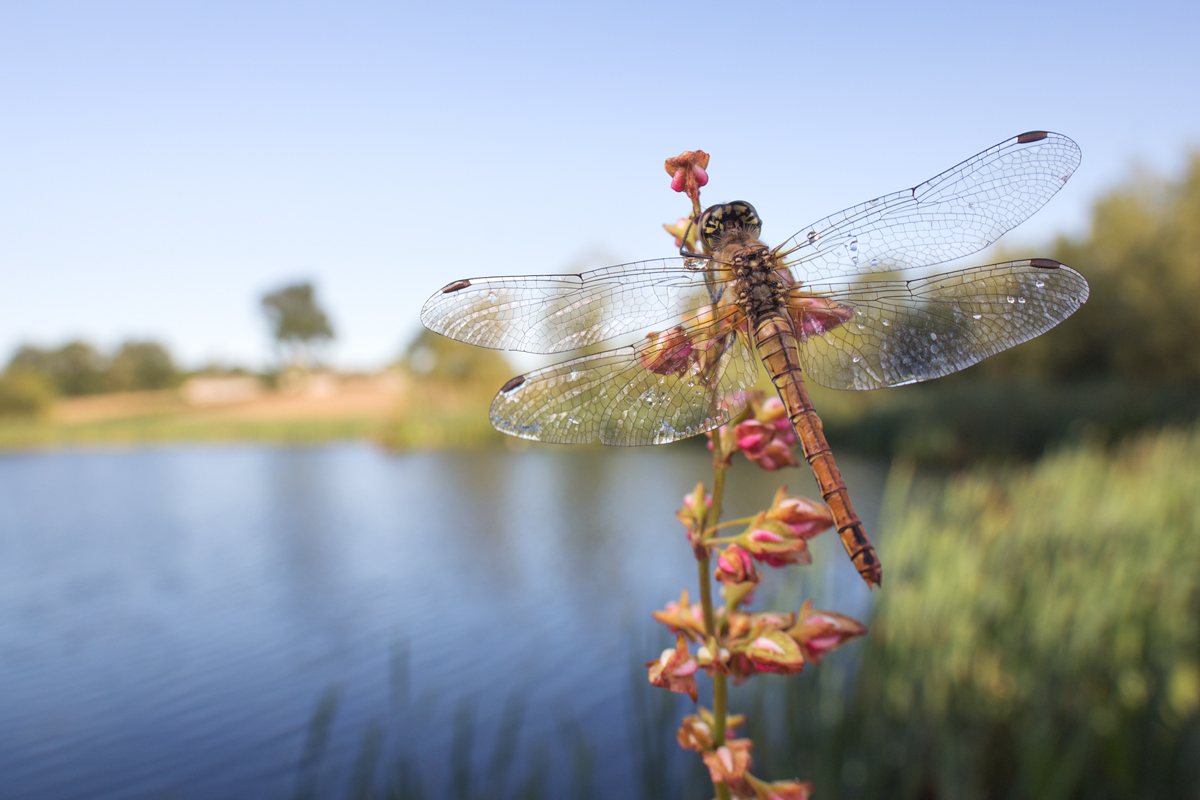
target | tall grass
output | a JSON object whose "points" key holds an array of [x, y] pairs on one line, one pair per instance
{"points": [[1038, 636]]}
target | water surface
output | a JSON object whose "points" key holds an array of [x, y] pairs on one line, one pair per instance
{"points": [[172, 617]]}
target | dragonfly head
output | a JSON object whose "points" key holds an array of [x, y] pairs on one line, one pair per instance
{"points": [[718, 223]]}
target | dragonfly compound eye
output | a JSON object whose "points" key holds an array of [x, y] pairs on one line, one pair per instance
{"points": [[718, 222]]}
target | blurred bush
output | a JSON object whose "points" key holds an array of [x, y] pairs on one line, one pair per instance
{"points": [[1037, 636], [140, 366], [450, 390], [79, 368], [24, 393], [73, 369]]}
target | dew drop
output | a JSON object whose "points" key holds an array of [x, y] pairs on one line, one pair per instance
{"points": [[874, 262], [1020, 299], [886, 323], [1011, 299], [492, 297], [861, 327], [1040, 284], [574, 376], [856, 359], [977, 316], [933, 336]]}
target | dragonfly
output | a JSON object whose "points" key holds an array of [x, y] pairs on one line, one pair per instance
{"points": [[803, 308]]}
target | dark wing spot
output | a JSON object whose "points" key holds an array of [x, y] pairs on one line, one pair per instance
{"points": [[514, 383], [454, 287], [1044, 263], [1032, 136]]}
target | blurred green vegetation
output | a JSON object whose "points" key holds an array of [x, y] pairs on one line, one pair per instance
{"points": [[24, 393], [450, 393], [1037, 636], [36, 375]]}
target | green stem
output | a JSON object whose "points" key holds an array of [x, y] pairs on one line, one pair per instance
{"points": [[720, 687]]}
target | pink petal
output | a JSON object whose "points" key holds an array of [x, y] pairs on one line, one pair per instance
{"points": [[688, 667], [760, 535], [763, 643], [823, 642]]}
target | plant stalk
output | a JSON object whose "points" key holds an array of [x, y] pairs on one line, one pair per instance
{"points": [[720, 686]]}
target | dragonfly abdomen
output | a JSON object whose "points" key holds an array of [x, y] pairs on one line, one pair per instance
{"points": [[775, 338]]}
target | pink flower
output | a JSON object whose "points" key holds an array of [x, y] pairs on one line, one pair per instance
{"points": [[683, 617], [730, 764], [675, 670], [776, 455], [695, 508], [802, 517], [734, 565], [687, 171], [820, 632], [774, 543], [667, 352]]}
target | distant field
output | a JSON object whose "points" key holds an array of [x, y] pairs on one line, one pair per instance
{"points": [[357, 408]]}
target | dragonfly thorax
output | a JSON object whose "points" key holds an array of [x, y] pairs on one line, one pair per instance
{"points": [[758, 285]]}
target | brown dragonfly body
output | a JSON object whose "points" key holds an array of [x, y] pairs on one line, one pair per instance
{"points": [[760, 287], [800, 309]]}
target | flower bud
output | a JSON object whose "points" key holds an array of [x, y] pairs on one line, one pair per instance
{"points": [[752, 438], [734, 565], [695, 508], [694, 734], [687, 171], [802, 517], [821, 632], [774, 651], [683, 617], [774, 543], [815, 316], [780, 790], [675, 670], [730, 764], [667, 352], [777, 456]]}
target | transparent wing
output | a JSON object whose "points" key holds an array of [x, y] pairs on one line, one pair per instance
{"points": [[556, 313], [900, 332], [697, 382], [959, 212]]}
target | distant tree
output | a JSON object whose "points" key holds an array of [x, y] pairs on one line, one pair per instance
{"points": [[140, 366], [297, 322], [73, 369]]}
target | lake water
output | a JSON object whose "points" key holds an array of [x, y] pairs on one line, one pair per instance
{"points": [[172, 618]]}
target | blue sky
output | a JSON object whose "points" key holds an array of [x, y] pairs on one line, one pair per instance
{"points": [[162, 165]]}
